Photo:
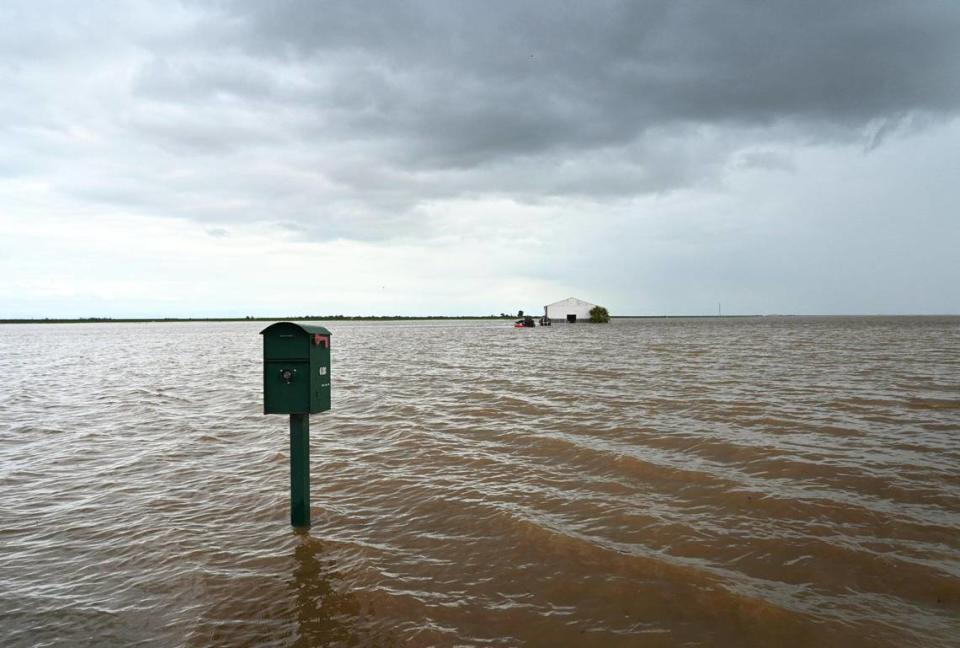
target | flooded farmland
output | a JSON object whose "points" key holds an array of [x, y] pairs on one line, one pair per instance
{"points": [[651, 482]]}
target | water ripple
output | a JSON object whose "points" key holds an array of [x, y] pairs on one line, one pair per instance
{"points": [[734, 482]]}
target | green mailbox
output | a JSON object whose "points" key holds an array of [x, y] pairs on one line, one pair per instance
{"points": [[296, 368], [296, 381]]}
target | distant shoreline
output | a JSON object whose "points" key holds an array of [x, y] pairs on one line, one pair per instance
{"points": [[294, 318], [385, 318], [321, 318]]}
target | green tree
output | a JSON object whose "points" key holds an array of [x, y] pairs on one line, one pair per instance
{"points": [[599, 315]]}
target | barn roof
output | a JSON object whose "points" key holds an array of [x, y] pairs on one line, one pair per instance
{"points": [[571, 300]]}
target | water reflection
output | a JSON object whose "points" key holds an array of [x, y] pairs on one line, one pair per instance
{"points": [[327, 613]]}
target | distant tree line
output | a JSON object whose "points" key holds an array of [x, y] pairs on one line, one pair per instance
{"points": [[248, 318]]}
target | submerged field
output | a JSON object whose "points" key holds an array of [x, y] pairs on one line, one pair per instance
{"points": [[671, 482]]}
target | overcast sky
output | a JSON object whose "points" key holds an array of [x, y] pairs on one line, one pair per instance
{"points": [[274, 158]]}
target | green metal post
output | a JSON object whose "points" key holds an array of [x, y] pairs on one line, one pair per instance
{"points": [[300, 470]]}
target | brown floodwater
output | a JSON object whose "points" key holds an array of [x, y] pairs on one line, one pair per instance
{"points": [[785, 481]]}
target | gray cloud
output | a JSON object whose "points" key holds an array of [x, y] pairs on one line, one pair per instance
{"points": [[464, 83], [771, 160], [354, 120]]}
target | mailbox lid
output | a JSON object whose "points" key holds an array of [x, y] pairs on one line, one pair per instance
{"points": [[292, 341]]}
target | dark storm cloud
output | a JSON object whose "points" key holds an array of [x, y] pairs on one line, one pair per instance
{"points": [[341, 119], [465, 83]]}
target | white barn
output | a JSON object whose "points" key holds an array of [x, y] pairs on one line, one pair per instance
{"points": [[569, 309]]}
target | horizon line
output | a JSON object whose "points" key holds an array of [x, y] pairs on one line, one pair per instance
{"points": [[252, 318]]}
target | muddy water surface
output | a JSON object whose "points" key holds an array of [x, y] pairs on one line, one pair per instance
{"points": [[675, 482]]}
